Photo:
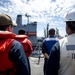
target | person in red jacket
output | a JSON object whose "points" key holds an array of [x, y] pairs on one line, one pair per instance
{"points": [[13, 60], [21, 37]]}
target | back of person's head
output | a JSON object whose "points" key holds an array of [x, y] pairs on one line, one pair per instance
{"points": [[5, 21], [70, 20], [52, 32], [21, 32]]}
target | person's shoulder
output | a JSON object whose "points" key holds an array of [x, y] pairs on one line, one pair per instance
{"points": [[27, 40], [56, 39], [16, 43], [16, 46], [63, 41], [45, 39]]}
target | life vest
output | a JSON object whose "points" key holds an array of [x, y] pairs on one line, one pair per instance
{"points": [[23, 39], [6, 66]]}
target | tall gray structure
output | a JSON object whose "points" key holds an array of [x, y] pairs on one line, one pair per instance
{"points": [[19, 20]]}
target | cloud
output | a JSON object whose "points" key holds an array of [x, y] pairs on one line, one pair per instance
{"points": [[42, 11]]}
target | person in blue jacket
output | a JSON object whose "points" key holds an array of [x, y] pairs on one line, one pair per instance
{"points": [[47, 45], [62, 57]]}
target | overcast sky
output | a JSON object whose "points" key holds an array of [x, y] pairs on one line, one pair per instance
{"points": [[42, 11]]}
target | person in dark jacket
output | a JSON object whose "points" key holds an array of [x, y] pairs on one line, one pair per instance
{"points": [[62, 57], [47, 46], [13, 60]]}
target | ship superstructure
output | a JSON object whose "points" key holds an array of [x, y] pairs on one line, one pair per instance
{"points": [[30, 28]]}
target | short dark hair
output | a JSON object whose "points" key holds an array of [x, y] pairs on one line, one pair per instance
{"points": [[21, 32], [71, 25], [52, 31]]}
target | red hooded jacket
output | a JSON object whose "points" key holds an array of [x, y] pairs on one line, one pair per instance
{"points": [[23, 39]]}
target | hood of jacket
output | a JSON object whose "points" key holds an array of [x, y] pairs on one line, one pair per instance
{"points": [[21, 38]]}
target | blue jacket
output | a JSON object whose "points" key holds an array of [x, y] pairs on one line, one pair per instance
{"points": [[48, 44]]}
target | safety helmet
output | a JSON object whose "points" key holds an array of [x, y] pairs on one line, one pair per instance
{"points": [[70, 16]]}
